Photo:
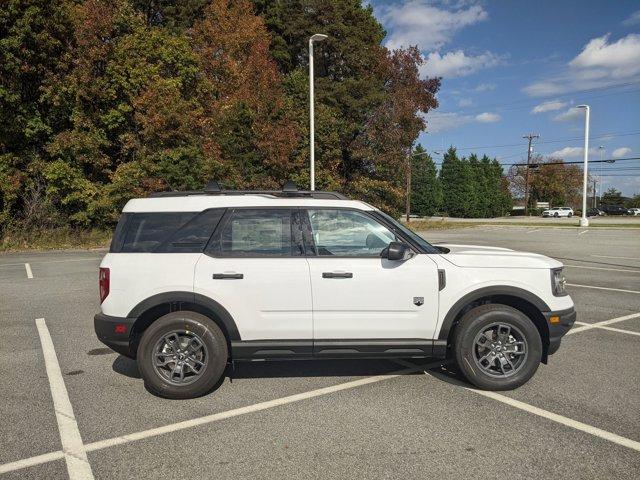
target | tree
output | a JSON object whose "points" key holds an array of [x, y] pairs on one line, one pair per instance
{"points": [[457, 183], [556, 183], [613, 197], [426, 194]]}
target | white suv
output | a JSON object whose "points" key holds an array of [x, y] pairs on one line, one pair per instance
{"points": [[558, 212], [195, 280]]}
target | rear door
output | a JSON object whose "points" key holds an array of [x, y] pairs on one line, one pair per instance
{"points": [[255, 267], [362, 303]]}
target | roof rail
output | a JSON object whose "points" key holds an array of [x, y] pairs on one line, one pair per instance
{"points": [[289, 190]]}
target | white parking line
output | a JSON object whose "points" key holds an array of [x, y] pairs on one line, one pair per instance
{"points": [[27, 267], [602, 288], [589, 326], [611, 329], [534, 230], [613, 256], [554, 417], [74, 453], [584, 231], [132, 437], [603, 268]]}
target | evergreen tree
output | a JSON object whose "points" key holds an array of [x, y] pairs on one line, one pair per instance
{"points": [[426, 194], [457, 185]]}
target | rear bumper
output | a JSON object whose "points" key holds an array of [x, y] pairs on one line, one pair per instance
{"points": [[557, 330], [105, 327]]}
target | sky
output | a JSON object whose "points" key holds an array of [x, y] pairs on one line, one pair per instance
{"points": [[515, 67]]}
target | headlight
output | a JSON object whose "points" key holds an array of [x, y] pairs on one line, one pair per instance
{"points": [[558, 282]]}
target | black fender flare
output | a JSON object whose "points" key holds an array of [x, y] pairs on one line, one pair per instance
{"points": [[491, 291], [205, 303]]}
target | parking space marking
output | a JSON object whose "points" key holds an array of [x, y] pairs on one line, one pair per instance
{"points": [[603, 268], [72, 447], [584, 231], [27, 267], [554, 417], [534, 230], [602, 288], [611, 329], [589, 326], [132, 437], [613, 256]]}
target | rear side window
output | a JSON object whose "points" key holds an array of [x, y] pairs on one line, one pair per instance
{"points": [[144, 232], [256, 233], [194, 235]]}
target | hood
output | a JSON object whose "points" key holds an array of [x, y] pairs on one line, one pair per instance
{"points": [[476, 256]]}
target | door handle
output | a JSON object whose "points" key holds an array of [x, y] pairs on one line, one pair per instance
{"points": [[228, 276], [337, 275]]}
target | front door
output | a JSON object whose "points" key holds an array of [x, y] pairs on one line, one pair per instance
{"points": [[255, 267], [369, 302]]}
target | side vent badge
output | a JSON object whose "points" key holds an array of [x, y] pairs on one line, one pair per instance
{"points": [[418, 301]]}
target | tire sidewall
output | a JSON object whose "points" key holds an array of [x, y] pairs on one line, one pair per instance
{"points": [[213, 339], [471, 324]]}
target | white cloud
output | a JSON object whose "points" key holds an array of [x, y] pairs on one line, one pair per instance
{"points": [[621, 152], [570, 115], [465, 102], [601, 63], [567, 152], [620, 59], [487, 117], [550, 106], [485, 87], [441, 121], [633, 19], [457, 63], [570, 152], [416, 22]]}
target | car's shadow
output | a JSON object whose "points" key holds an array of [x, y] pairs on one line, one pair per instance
{"points": [[443, 370]]}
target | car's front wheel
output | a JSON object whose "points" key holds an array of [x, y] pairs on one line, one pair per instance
{"points": [[182, 355], [497, 347]]}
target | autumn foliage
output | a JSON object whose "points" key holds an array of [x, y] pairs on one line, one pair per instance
{"points": [[105, 100]]}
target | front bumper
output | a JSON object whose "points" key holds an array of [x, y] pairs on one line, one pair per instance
{"points": [[558, 329], [105, 327]]}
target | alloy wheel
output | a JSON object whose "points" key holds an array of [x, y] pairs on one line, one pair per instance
{"points": [[180, 357], [500, 350]]}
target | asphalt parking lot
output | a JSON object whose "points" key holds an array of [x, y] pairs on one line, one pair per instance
{"points": [[579, 417]]}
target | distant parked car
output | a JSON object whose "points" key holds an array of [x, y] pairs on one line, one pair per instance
{"points": [[615, 210], [594, 212], [634, 211], [558, 212]]}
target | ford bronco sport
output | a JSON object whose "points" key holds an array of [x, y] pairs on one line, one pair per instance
{"points": [[195, 280]]}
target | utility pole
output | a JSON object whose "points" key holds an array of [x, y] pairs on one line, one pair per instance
{"points": [[530, 137], [408, 194]]}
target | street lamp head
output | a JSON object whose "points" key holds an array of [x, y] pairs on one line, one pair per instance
{"points": [[318, 37], [583, 106]]}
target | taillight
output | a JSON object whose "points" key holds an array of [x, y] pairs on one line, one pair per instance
{"points": [[103, 281]]}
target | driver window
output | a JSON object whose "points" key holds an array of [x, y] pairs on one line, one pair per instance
{"points": [[348, 233]]}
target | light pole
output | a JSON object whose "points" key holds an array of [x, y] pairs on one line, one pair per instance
{"points": [[601, 148], [318, 37], [584, 222]]}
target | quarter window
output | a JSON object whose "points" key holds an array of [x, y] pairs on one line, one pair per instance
{"points": [[348, 233]]}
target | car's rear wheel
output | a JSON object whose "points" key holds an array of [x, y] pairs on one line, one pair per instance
{"points": [[570, 215], [182, 355], [556, 215], [497, 347]]}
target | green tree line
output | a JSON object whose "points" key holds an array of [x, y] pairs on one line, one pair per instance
{"points": [[463, 187], [105, 100]]}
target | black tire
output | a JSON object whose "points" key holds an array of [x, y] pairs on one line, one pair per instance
{"points": [[570, 215], [473, 323], [556, 215], [214, 352]]}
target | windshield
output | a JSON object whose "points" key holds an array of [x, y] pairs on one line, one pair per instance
{"points": [[428, 248]]}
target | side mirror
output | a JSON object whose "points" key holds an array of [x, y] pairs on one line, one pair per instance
{"points": [[397, 251]]}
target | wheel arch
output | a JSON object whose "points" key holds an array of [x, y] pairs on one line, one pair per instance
{"points": [[152, 308], [526, 302]]}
